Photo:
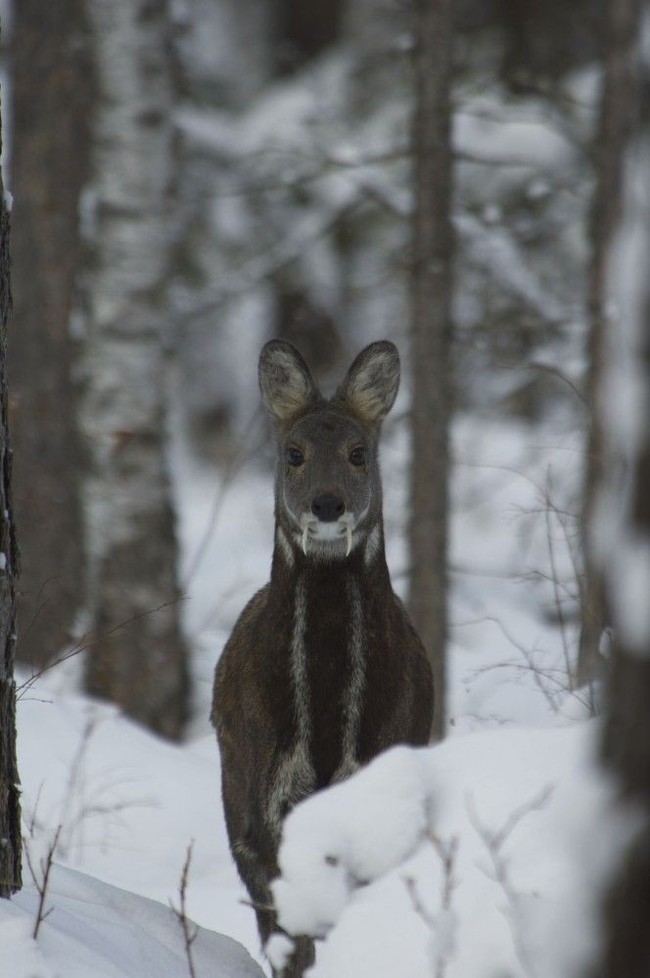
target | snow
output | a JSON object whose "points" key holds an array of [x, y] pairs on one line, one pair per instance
{"points": [[101, 931], [495, 251], [518, 814], [360, 829], [128, 805], [522, 142], [278, 950]]}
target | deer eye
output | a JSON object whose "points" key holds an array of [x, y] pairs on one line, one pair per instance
{"points": [[357, 456], [295, 457]]}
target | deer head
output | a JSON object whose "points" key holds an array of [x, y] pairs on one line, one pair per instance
{"points": [[328, 489]]}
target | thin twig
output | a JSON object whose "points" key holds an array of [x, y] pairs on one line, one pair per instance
{"points": [[494, 841], [84, 646], [190, 930], [31, 825], [447, 853], [555, 581], [264, 266], [256, 905], [42, 883], [537, 672], [76, 782]]}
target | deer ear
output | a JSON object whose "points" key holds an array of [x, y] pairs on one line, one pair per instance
{"points": [[285, 381], [371, 384]]}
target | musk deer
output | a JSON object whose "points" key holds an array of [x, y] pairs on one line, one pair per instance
{"points": [[323, 669]]}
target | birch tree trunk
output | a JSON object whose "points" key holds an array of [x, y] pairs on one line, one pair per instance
{"points": [[52, 86], [10, 837], [430, 338], [618, 108], [137, 657]]}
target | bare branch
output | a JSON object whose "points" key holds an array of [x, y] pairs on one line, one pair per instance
{"points": [[41, 882], [447, 852], [256, 905], [190, 930], [494, 841], [555, 581], [31, 825], [262, 267], [535, 669], [84, 645]]}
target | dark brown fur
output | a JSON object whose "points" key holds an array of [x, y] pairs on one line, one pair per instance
{"points": [[323, 670]]}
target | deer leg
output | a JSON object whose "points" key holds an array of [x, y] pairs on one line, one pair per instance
{"points": [[302, 958], [256, 875]]}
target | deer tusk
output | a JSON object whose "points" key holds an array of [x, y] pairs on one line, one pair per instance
{"points": [[303, 540], [348, 539]]}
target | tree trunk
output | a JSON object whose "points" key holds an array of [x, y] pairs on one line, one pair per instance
{"points": [[10, 838], [627, 732], [52, 91], [626, 557], [430, 338], [618, 107], [137, 658]]}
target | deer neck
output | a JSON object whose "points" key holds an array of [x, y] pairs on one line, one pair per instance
{"points": [[290, 563]]}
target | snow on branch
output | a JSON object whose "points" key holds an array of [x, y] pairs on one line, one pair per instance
{"points": [[465, 860]]}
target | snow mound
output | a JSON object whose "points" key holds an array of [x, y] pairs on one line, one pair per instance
{"points": [[352, 834], [122, 807], [479, 857], [94, 929]]}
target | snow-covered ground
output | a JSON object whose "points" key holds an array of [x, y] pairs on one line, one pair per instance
{"points": [[506, 800], [95, 930], [128, 805]]}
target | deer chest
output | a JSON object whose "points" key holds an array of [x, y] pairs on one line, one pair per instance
{"points": [[328, 672]]}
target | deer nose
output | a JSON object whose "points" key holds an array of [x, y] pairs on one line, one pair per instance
{"points": [[327, 507]]}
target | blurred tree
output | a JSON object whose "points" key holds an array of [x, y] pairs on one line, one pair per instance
{"points": [[545, 40], [619, 109], [430, 338], [137, 657], [52, 93], [303, 30], [312, 329], [10, 838], [625, 555]]}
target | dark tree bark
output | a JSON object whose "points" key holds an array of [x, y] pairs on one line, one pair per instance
{"points": [[545, 40], [10, 839], [618, 110], [303, 30], [52, 93], [627, 732], [626, 742], [430, 337]]}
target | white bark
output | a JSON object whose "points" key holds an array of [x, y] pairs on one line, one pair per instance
{"points": [[127, 502]]}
